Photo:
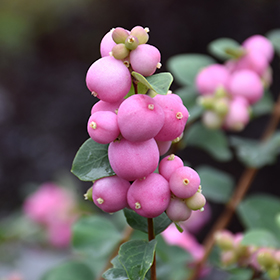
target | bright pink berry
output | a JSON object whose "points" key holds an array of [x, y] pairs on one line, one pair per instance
{"points": [[247, 84], [133, 160], [149, 197], [106, 106], [103, 127], [108, 79], [145, 59], [163, 146], [107, 43], [110, 193], [176, 116], [140, 118], [184, 182], [168, 165], [211, 78]]}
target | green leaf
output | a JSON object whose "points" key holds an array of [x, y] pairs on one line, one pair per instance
{"points": [[263, 106], [257, 154], [225, 48], [140, 223], [240, 274], [260, 238], [260, 211], [115, 274], [185, 67], [160, 83], [189, 97], [274, 37], [71, 270], [216, 185], [91, 162], [212, 141], [137, 257], [95, 238]]}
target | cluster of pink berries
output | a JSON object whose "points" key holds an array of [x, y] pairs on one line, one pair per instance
{"points": [[261, 259], [228, 90], [139, 129]]}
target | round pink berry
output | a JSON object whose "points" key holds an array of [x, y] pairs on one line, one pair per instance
{"points": [[107, 43], [177, 210], [168, 165], [108, 79], [133, 160], [110, 193], [163, 146], [184, 182], [149, 197], [106, 106]]}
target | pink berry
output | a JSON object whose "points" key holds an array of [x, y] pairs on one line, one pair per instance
{"points": [[184, 182], [140, 118], [107, 43], [145, 59], [196, 202], [106, 106], [110, 193], [149, 197], [247, 84], [177, 210], [103, 127], [211, 78], [168, 165], [261, 44], [163, 146], [238, 115], [133, 160], [108, 79], [176, 116]]}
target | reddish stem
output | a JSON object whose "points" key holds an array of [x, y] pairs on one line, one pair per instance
{"points": [[151, 236]]}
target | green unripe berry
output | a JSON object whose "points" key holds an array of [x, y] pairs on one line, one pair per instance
{"points": [[265, 258], [88, 195], [224, 240], [119, 35], [196, 202], [274, 273], [131, 42], [141, 33], [120, 51]]}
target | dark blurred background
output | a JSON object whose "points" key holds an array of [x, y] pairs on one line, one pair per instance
{"points": [[46, 48]]}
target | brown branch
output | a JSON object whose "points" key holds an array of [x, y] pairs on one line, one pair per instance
{"points": [[151, 236], [240, 191]]}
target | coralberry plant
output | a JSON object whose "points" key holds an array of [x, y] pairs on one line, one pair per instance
{"points": [[131, 128]]}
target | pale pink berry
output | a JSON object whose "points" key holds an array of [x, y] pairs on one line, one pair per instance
{"points": [[212, 77], [177, 210], [145, 59], [238, 115], [184, 182], [103, 127], [133, 160], [150, 196], [107, 43], [108, 79], [176, 116], [110, 193], [212, 120], [106, 106], [247, 84], [196, 202], [59, 233], [163, 146], [260, 44], [140, 118], [168, 165]]}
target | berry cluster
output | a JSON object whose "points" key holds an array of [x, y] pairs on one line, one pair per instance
{"points": [[228, 90], [139, 129], [261, 259]]}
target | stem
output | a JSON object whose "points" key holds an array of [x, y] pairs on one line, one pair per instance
{"points": [[151, 236], [240, 191]]}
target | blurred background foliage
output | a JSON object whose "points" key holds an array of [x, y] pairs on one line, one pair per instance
{"points": [[46, 48]]}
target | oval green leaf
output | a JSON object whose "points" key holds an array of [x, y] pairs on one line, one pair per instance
{"points": [[91, 162], [274, 37], [185, 67]]}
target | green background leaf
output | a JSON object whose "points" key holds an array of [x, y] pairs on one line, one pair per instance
{"points": [[71, 270], [260, 211], [216, 185], [213, 141], [91, 162], [137, 256], [140, 223], [274, 37], [224, 48], [185, 67]]}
